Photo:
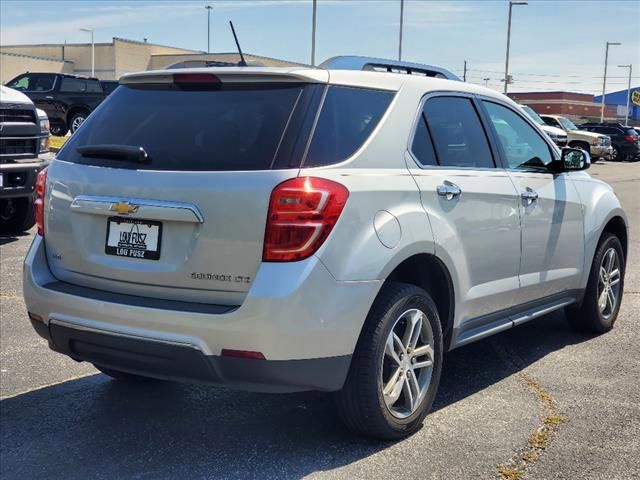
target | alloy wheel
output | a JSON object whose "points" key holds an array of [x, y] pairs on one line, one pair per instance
{"points": [[609, 283], [77, 121], [407, 363]]}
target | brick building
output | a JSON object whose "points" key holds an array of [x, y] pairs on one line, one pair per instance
{"points": [[578, 107]]}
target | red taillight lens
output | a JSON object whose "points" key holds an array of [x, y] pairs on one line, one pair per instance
{"points": [[41, 187], [242, 354], [631, 138], [302, 213]]}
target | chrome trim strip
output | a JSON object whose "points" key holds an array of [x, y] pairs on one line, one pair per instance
{"points": [[148, 209]]}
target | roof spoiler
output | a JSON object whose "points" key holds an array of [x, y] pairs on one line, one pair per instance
{"points": [[385, 65]]}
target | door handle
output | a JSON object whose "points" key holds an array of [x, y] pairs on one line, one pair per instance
{"points": [[448, 190], [529, 196]]}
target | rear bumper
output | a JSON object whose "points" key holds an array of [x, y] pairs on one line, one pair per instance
{"points": [[303, 321]]}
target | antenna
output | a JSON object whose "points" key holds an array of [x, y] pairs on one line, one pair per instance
{"points": [[241, 63]]}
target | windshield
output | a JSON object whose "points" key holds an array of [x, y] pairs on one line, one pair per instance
{"points": [[567, 124], [534, 116]]}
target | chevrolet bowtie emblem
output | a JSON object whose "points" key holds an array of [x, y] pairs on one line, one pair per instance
{"points": [[123, 208]]}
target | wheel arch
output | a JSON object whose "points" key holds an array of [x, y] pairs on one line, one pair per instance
{"points": [[428, 272], [618, 226], [76, 109]]}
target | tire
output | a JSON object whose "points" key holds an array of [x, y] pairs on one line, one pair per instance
{"points": [[124, 376], [16, 215], [59, 129], [589, 316], [361, 404], [76, 120]]}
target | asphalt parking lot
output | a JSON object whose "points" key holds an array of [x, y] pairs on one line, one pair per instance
{"points": [[63, 420]]}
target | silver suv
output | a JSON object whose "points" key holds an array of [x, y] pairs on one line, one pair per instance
{"points": [[314, 229]]}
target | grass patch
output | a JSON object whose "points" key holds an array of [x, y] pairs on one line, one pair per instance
{"points": [[509, 473], [58, 142]]}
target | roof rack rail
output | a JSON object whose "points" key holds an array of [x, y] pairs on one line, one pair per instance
{"points": [[384, 65]]}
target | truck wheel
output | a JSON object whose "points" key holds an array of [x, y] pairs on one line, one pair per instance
{"points": [[16, 215], [615, 154], [76, 120], [601, 303], [395, 369], [59, 129]]}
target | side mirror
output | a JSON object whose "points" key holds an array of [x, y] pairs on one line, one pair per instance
{"points": [[573, 159]]}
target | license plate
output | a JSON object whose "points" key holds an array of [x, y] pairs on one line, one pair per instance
{"points": [[133, 238]]}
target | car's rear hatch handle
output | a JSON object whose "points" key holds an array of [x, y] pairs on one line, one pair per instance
{"points": [[137, 208]]}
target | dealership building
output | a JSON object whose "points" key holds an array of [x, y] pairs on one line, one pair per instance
{"points": [[112, 59], [579, 107]]}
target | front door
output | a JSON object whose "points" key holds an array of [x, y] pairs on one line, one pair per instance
{"points": [[550, 208], [472, 205]]}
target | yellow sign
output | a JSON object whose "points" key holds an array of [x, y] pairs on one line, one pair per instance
{"points": [[635, 97]]}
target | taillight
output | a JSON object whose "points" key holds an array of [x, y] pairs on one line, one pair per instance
{"points": [[630, 138], [41, 187], [302, 213], [196, 80]]}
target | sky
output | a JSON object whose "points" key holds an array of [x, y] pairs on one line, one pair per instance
{"points": [[555, 45]]}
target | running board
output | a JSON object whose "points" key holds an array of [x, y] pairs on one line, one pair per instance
{"points": [[487, 325]]}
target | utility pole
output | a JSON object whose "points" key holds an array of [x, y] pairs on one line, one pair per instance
{"points": [[93, 51], [630, 67], [506, 63], [464, 72], [401, 25], [209, 8], [604, 79], [486, 81], [313, 33]]}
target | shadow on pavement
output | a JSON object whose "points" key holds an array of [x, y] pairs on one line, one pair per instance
{"points": [[14, 237], [98, 428]]}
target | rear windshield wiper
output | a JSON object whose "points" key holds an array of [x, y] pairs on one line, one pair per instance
{"points": [[128, 153]]}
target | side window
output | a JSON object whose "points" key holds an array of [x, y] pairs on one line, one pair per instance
{"points": [[422, 146], [523, 147], [93, 86], [457, 134], [21, 83], [42, 83], [552, 122], [347, 119], [73, 85]]}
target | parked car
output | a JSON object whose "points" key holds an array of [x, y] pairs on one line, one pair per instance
{"points": [[624, 140], [314, 229], [599, 146], [67, 99], [557, 135], [24, 138]]}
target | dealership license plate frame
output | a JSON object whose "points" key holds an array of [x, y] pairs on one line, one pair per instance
{"points": [[131, 251]]}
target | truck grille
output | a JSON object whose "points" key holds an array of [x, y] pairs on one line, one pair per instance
{"points": [[18, 147], [13, 115]]}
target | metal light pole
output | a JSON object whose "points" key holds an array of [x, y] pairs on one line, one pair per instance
{"points": [[401, 25], [506, 63], [313, 33], [93, 51], [630, 67], [486, 81], [209, 8], [604, 79]]}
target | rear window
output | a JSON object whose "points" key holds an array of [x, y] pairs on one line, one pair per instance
{"points": [[235, 127]]}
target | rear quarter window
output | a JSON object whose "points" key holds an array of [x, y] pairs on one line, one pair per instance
{"points": [[348, 117]]}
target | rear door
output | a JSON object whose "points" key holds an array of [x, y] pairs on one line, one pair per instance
{"points": [[472, 204], [188, 222], [549, 204]]}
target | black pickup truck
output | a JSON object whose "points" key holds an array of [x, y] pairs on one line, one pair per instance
{"points": [[67, 99], [24, 141]]}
